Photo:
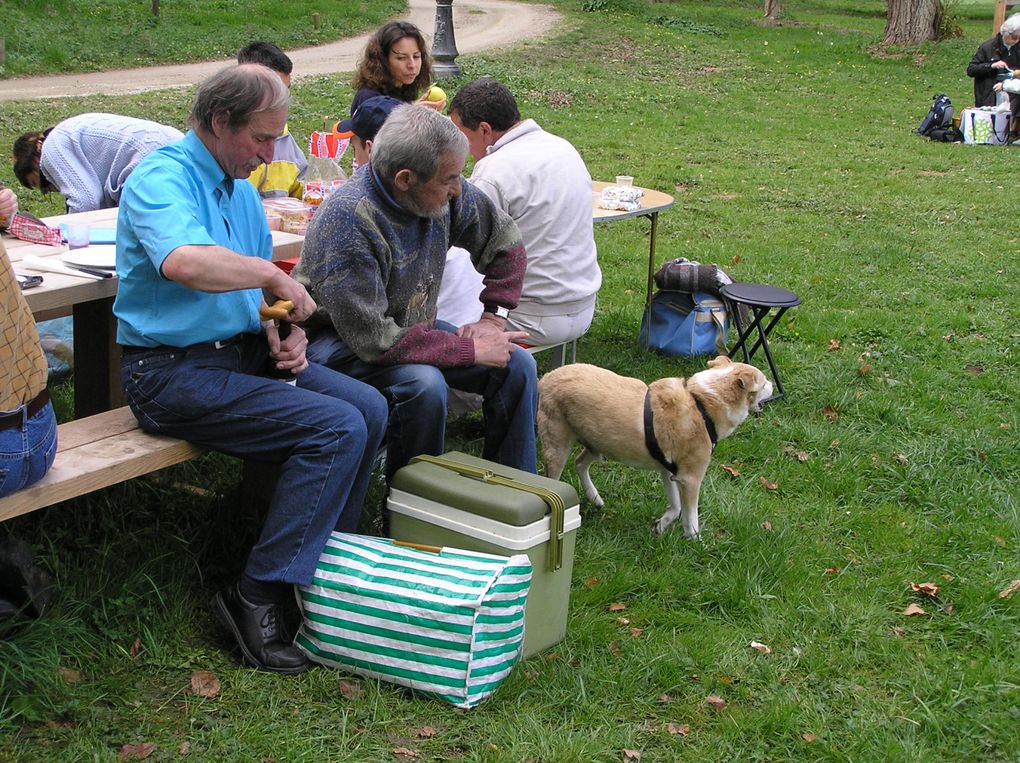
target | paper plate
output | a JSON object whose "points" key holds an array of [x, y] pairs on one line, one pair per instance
{"points": [[95, 256]]}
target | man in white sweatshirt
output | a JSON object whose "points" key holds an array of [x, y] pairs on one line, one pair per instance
{"points": [[540, 180]]}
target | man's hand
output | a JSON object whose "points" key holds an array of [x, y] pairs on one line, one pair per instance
{"points": [[287, 288], [290, 353], [493, 349], [487, 324], [1000, 64]]}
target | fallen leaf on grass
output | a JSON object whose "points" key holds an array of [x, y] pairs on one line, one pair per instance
{"points": [[617, 606], [807, 736], [184, 749], [832, 570], [1000, 542], [406, 752], [136, 751], [830, 413], [681, 729], [796, 455], [730, 470], [623, 621], [614, 649], [349, 689], [136, 648], [591, 582], [900, 458], [760, 647], [1009, 590], [715, 701], [914, 609], [767, 484], [898, 631], [974, 369], [835, 345], [631, 755], [70, 676], [426, 732], [926, 589], [864, 370], [766, 526], [636, 632], [551, 657], [205, 684]]}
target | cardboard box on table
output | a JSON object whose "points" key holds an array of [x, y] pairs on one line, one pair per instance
{"points": [[460, 501]]}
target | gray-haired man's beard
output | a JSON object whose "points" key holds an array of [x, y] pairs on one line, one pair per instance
{"points": [[411, 203]]}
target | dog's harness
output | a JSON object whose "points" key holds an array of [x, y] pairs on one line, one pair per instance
{"points": [[653, 445]]}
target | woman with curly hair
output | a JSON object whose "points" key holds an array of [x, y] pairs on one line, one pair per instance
{"points": [[395, 62]]}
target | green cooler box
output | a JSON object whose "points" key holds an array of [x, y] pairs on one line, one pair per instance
{"points": [[461, 501]]}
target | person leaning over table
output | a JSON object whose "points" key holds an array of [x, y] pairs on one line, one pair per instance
{"points": [[541, 181], [28, 426], [281, 177], [194, 262], [87, 158], [994, 56], [373, 259]]}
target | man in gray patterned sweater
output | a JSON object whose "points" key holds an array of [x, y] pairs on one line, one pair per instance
{"points": [[373, 260]]}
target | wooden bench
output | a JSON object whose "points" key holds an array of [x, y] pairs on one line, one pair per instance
{"points": [[96, 452]]}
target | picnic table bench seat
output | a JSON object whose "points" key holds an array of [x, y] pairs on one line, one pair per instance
{"points": [[97, 452]]}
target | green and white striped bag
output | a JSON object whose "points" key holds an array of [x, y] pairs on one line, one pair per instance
{"points": [[444, 621]]}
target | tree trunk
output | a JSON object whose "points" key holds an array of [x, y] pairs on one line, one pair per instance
{"points": [[772, 9], [912, 21]]}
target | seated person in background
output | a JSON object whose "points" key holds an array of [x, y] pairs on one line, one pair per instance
{"points": [[28, 427], [395, 62], [364, 123], [88, 158], [994, 56], [540, 180], [8, 206], [194, 261], [373, 259], [282, 176]]}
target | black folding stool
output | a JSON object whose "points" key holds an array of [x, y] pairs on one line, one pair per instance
{"points": [[761, 300]]}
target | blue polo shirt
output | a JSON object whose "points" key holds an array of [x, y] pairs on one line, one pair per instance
{"points": [[179, 195]]}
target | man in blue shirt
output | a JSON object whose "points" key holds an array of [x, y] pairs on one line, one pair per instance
{"points": [[194, 262]]}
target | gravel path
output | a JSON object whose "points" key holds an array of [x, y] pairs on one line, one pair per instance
{"points": [[478, 25]]}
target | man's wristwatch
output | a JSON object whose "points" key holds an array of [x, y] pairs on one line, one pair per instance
{"points": [[497, 310]]}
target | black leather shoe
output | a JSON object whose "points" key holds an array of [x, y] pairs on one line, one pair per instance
{"points": [[257, 630]]}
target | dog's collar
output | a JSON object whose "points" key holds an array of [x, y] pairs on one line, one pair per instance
{"points": [[650, 442]]}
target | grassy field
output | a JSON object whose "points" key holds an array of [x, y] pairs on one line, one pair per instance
{"points": [[57, 36], [892, 460]]}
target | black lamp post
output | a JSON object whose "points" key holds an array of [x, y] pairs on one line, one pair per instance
{"points": [[444, 47]]}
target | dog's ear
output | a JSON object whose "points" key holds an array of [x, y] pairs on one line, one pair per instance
{"points": [[720, 361]]}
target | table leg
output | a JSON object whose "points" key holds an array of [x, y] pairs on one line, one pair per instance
{"points": [[97, 386], [654, 217]]}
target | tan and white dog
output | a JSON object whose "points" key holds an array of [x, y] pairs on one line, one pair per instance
{"points": [[670, 425]]}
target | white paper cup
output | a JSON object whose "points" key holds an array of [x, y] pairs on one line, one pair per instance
{"points": [[625, 180], [77, 236]]}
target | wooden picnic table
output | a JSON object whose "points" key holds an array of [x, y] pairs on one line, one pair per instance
{"points": [[97, 355], [652, 202]]}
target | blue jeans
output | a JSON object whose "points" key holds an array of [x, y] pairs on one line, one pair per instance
{"points": [[324, 434], [27, 451], [417, 397]]}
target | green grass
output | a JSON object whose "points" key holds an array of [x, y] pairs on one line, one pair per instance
{"points": [[56, 36], [790, 153]]}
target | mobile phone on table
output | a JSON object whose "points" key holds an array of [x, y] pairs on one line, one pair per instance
{"points": [[26, 281]]}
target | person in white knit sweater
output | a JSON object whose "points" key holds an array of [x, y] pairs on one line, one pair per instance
{"points": [[541, 181], [87, 158]]}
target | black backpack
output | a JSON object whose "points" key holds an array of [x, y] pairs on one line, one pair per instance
{"points": [[939, 116]]}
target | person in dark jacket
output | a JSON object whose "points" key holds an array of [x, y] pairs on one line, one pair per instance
{"points": [[996, 55]]}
